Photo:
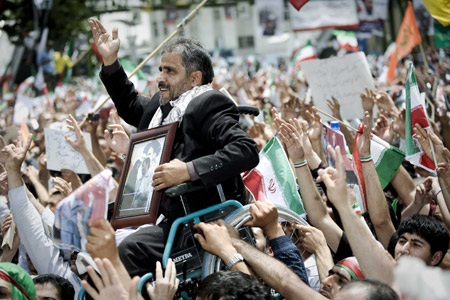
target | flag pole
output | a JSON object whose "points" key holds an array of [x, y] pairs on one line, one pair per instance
{"points": [[432, 150], [422, 52], [336, 119], [178, 29]]}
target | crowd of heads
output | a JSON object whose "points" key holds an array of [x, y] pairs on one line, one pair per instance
{"points": [[343, 270]]}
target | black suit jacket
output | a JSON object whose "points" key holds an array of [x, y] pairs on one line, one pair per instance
{"points": [[209, 135]]}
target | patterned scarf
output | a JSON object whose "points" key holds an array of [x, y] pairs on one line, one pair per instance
{"points": [[179, 106]]}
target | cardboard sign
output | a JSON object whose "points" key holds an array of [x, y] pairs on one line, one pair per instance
{"points": [[60, 155], [342, 77]]}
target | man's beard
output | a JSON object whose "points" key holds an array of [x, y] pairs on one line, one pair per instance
{"points": [[173, 91]]}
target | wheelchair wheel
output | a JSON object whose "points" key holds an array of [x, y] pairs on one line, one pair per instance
{"points": [[213, 263]]}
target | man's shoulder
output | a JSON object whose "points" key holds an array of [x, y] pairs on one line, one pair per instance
{"points": [[211, 98]]}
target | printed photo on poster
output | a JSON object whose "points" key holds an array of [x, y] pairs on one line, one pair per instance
{"points": [[137, 202]]}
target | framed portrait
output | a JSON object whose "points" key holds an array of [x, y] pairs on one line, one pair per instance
{"points": [[136, 202]]}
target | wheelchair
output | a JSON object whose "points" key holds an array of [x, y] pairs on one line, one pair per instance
{"points": [[191, 261]]}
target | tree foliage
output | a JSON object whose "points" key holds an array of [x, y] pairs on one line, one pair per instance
{"points": [[66, 19]]}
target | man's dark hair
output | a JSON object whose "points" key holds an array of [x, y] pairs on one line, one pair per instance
{"points": [[429, 229], [64, 287], [232, 285], [375, 290], [193, 57]]}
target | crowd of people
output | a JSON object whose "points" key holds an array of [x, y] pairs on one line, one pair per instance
{"points": [[342, 254]]}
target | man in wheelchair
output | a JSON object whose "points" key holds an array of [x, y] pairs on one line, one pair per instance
{"points": [[209, 148]]}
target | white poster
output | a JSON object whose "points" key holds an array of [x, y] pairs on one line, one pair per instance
{"points": [[323, 14], [60, 155], [342, 77], [270, 17]]}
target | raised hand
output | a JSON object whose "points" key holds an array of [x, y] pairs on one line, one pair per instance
{"points": [[424, 193], [368, 100], [4, 183], [444, 167], [16, 241], [101, 241], [109, 285], [3, 156], [311, 238], [62, 186], [315, 131], [363, 142], [71, 177], [384, 129], [291, 134], [165, 285], [16, 154], [335, 179], [91, 125], [79, 144], [107, 45], [398, 121], [384, 101], [119, 140], [424, 137], [335, 108]]}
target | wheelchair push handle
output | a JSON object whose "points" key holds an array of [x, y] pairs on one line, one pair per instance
{"points": [[248, 110]]}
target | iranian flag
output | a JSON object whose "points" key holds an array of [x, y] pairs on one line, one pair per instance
{"points": [[347, 40], [415, 114], [273, 179], [386, 158], [304, 53]]}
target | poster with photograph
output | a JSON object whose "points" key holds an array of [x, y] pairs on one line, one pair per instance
{"points": [[270, 17]]}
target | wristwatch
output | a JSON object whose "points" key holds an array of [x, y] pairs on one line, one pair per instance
{"points": [[234, 260]]}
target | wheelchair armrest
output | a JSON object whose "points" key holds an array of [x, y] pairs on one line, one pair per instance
{"points": [[183, 188]]}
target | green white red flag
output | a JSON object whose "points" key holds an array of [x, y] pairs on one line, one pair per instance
{"points": [[273, 179], [347, 40], [304, 53], [387, 160], [415, 114]]}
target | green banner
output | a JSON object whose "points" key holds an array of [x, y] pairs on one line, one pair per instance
{"points": [[441, 35]]}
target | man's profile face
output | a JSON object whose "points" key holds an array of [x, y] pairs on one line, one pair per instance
{"points": [[172, 79], [46, 291], [411, 244], [337, 277], [145, 166]]}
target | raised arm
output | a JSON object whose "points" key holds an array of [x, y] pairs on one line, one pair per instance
{"points": [[298, 147], [265, 216], [376, 202], [375, 262], [40, 248], [336, 110], [94, 166], [275, 274], [91, 127]]}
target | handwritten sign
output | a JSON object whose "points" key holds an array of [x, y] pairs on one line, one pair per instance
{"points": [[60, 155], [342, 77]]}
